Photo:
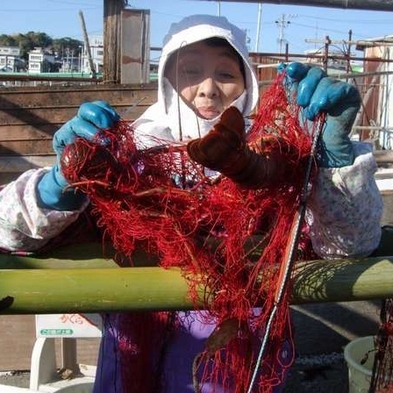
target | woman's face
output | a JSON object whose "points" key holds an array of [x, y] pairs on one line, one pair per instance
{"points": [[208, 78]]}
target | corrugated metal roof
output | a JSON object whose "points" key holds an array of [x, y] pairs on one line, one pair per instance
{"points": [[372, 5]]}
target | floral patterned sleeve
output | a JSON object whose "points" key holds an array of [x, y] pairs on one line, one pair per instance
{"points": [[345, 209], [23, 225]]}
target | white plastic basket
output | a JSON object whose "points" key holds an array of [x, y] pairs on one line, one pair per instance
{"points": [[359, 375]]}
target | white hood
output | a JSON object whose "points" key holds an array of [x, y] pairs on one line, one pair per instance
{"points": [[162, 119], [200, 27]]}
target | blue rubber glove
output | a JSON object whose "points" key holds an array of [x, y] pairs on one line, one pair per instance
{"points": [[317, 93], [53, 191]]}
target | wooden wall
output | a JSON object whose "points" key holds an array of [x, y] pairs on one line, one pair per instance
{"points": [[29, 117]]}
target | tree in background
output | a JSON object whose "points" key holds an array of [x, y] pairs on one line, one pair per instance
{"points": [[60, 47]]}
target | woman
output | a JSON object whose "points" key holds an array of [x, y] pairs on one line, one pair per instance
{"points": [[204, 69]]}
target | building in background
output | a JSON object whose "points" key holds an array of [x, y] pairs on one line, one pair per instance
{"points": [[10, 60], [41, 61]]}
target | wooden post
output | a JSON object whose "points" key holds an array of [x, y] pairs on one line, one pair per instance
{"points": [[112, 25]]}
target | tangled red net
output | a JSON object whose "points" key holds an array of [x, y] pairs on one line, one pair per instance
{"points": [[227, 234], [382, 368]]}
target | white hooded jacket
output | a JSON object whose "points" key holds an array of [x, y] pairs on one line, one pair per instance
{"points": [[170, 119]]}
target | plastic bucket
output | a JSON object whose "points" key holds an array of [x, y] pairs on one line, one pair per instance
{"points": [[359, 375]]}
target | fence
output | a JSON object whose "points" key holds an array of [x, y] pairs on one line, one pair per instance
{"points": [[29, 116]]}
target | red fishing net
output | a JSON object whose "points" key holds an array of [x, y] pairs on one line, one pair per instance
{"points": [[227, 234], [382, 371]]}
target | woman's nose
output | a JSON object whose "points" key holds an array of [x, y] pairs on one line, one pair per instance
{"points": [[208, 88]]}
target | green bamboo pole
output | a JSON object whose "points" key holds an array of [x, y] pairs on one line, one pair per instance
{"points": [[48, 286], [51, 291], [343, 280]]}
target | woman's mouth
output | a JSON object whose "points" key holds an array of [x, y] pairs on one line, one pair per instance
{"points": [[208, 112]]}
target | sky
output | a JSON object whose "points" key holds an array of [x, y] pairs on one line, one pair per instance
{"points": [[302, 27]]}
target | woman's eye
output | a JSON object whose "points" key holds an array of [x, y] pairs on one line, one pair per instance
{"points": [[190, 71], [227, 75]]}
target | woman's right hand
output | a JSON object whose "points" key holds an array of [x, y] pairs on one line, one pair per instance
{"points": [[91, 117], [53, 191]]}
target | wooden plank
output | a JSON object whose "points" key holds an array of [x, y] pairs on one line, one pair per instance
{"points": [[28, 147], [35, 116], [79, 87], [72, 97], [134, 46], [56, 115], [24, 132]]}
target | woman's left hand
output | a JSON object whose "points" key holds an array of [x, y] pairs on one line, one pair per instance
{"points": [[317, 93]]}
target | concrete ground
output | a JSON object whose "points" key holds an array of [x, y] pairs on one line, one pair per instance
{"points": [[321, 333]]}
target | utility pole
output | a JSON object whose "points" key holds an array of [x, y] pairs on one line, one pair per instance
{"points": [[348, 68], [87, 45], [326, 53], [282, 24], [258, 28]]}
